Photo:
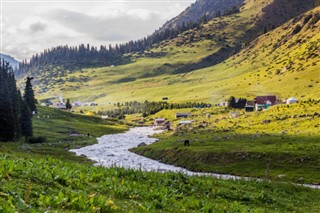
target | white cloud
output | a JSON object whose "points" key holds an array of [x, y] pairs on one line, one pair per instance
{"points": [[29, 28]]}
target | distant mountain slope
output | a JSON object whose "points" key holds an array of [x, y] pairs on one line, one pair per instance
{"points": [[186, 67], [14, 63], [201, 8]]}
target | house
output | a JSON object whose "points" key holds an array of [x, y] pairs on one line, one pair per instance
{"points": [[60, 105], [76, 104], [249, 107], [159, 121], [223, 104], [291, 100], [184, 122], [264, 102], [183, 115], [104, 117]]}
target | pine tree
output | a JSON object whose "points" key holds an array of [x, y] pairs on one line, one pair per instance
{"points": [[26, 121], [29, 95], [68, 105], [9, 104]]}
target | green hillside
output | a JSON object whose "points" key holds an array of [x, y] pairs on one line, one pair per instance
{"points": [[281, 143], [278, 62], [62, 131]]}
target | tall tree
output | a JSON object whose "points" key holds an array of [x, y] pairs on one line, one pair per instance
{"points": [[29, 95], [68, 105], [26, 121], [9, 104]]}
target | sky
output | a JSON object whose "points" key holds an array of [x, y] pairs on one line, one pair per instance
{"points": [[29, 27]]}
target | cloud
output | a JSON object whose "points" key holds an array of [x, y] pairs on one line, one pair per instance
{"points": [[121, 25], [38, 27], [31, 27]]}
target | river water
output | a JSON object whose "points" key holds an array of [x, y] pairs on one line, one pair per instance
{"points": [[113, 150]]}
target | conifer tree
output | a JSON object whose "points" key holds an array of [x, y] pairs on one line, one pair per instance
{"points": [[29, 95], [9, 104], [26, 121], [68, 105]]}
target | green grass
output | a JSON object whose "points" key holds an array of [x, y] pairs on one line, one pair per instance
{"points": [[63, 131], [48, 178], [256, 70], [51, 185], [286, 137]]}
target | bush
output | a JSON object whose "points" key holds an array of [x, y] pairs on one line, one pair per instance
{"points": [[37, 140]]}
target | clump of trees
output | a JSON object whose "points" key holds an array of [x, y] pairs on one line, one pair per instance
{"points": [[237, 103], [149, 108], [15, 111]]}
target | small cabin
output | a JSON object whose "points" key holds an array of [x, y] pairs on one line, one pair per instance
{"points": [[60, 106], [183, 115], [159, 121], [265, 102], [291, 100], [184, 122], [249, 107]]}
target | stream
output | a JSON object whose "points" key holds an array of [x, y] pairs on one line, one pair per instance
{"points": [[113, 150]]}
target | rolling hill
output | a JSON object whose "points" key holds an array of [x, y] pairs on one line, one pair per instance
{"points": [[257, 50]]}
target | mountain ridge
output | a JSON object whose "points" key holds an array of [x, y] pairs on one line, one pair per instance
{"points": [[158, 72], [13, 62]]}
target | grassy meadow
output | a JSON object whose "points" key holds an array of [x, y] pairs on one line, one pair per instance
{"points": [[63, 131], [52, 185], [281, 143], [47, 178]]}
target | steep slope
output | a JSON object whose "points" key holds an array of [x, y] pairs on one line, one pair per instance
{"points": [[201, 9], [14, 63], [155, 73]]}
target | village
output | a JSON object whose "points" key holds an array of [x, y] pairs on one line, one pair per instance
{"points": [[259, 103]]}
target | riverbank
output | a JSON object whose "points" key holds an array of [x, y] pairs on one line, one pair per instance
{"points": [[34, 181], [62, 131], [279, 144], [53, 185]]}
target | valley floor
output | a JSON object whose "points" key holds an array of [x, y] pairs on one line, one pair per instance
{"points": [[282, 143], [46, 177]]}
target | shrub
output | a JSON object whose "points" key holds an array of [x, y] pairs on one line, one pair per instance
{"points": [[37, 140]]}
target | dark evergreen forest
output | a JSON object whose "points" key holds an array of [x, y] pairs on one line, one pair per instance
{"points": [[15, 113]]}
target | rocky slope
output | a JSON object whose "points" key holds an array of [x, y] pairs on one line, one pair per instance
{"points": [[201, 8]]}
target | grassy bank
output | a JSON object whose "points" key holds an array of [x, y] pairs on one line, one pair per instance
{"points": [[282, 143], [51, 185], [63, 131]]}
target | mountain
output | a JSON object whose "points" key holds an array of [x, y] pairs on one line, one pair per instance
{"points": [[234, 54], [201, 9], [14, 63]]}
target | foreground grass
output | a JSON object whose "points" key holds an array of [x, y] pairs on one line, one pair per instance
{"points": [[282, 143], [51, 185], [63, 131]]}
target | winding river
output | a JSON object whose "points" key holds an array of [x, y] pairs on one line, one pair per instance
{"points": [[113, 150]]}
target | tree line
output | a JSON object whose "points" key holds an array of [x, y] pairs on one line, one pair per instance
{"points": [[15, 109], [148, 108], [83, 56], [237, 103]]}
